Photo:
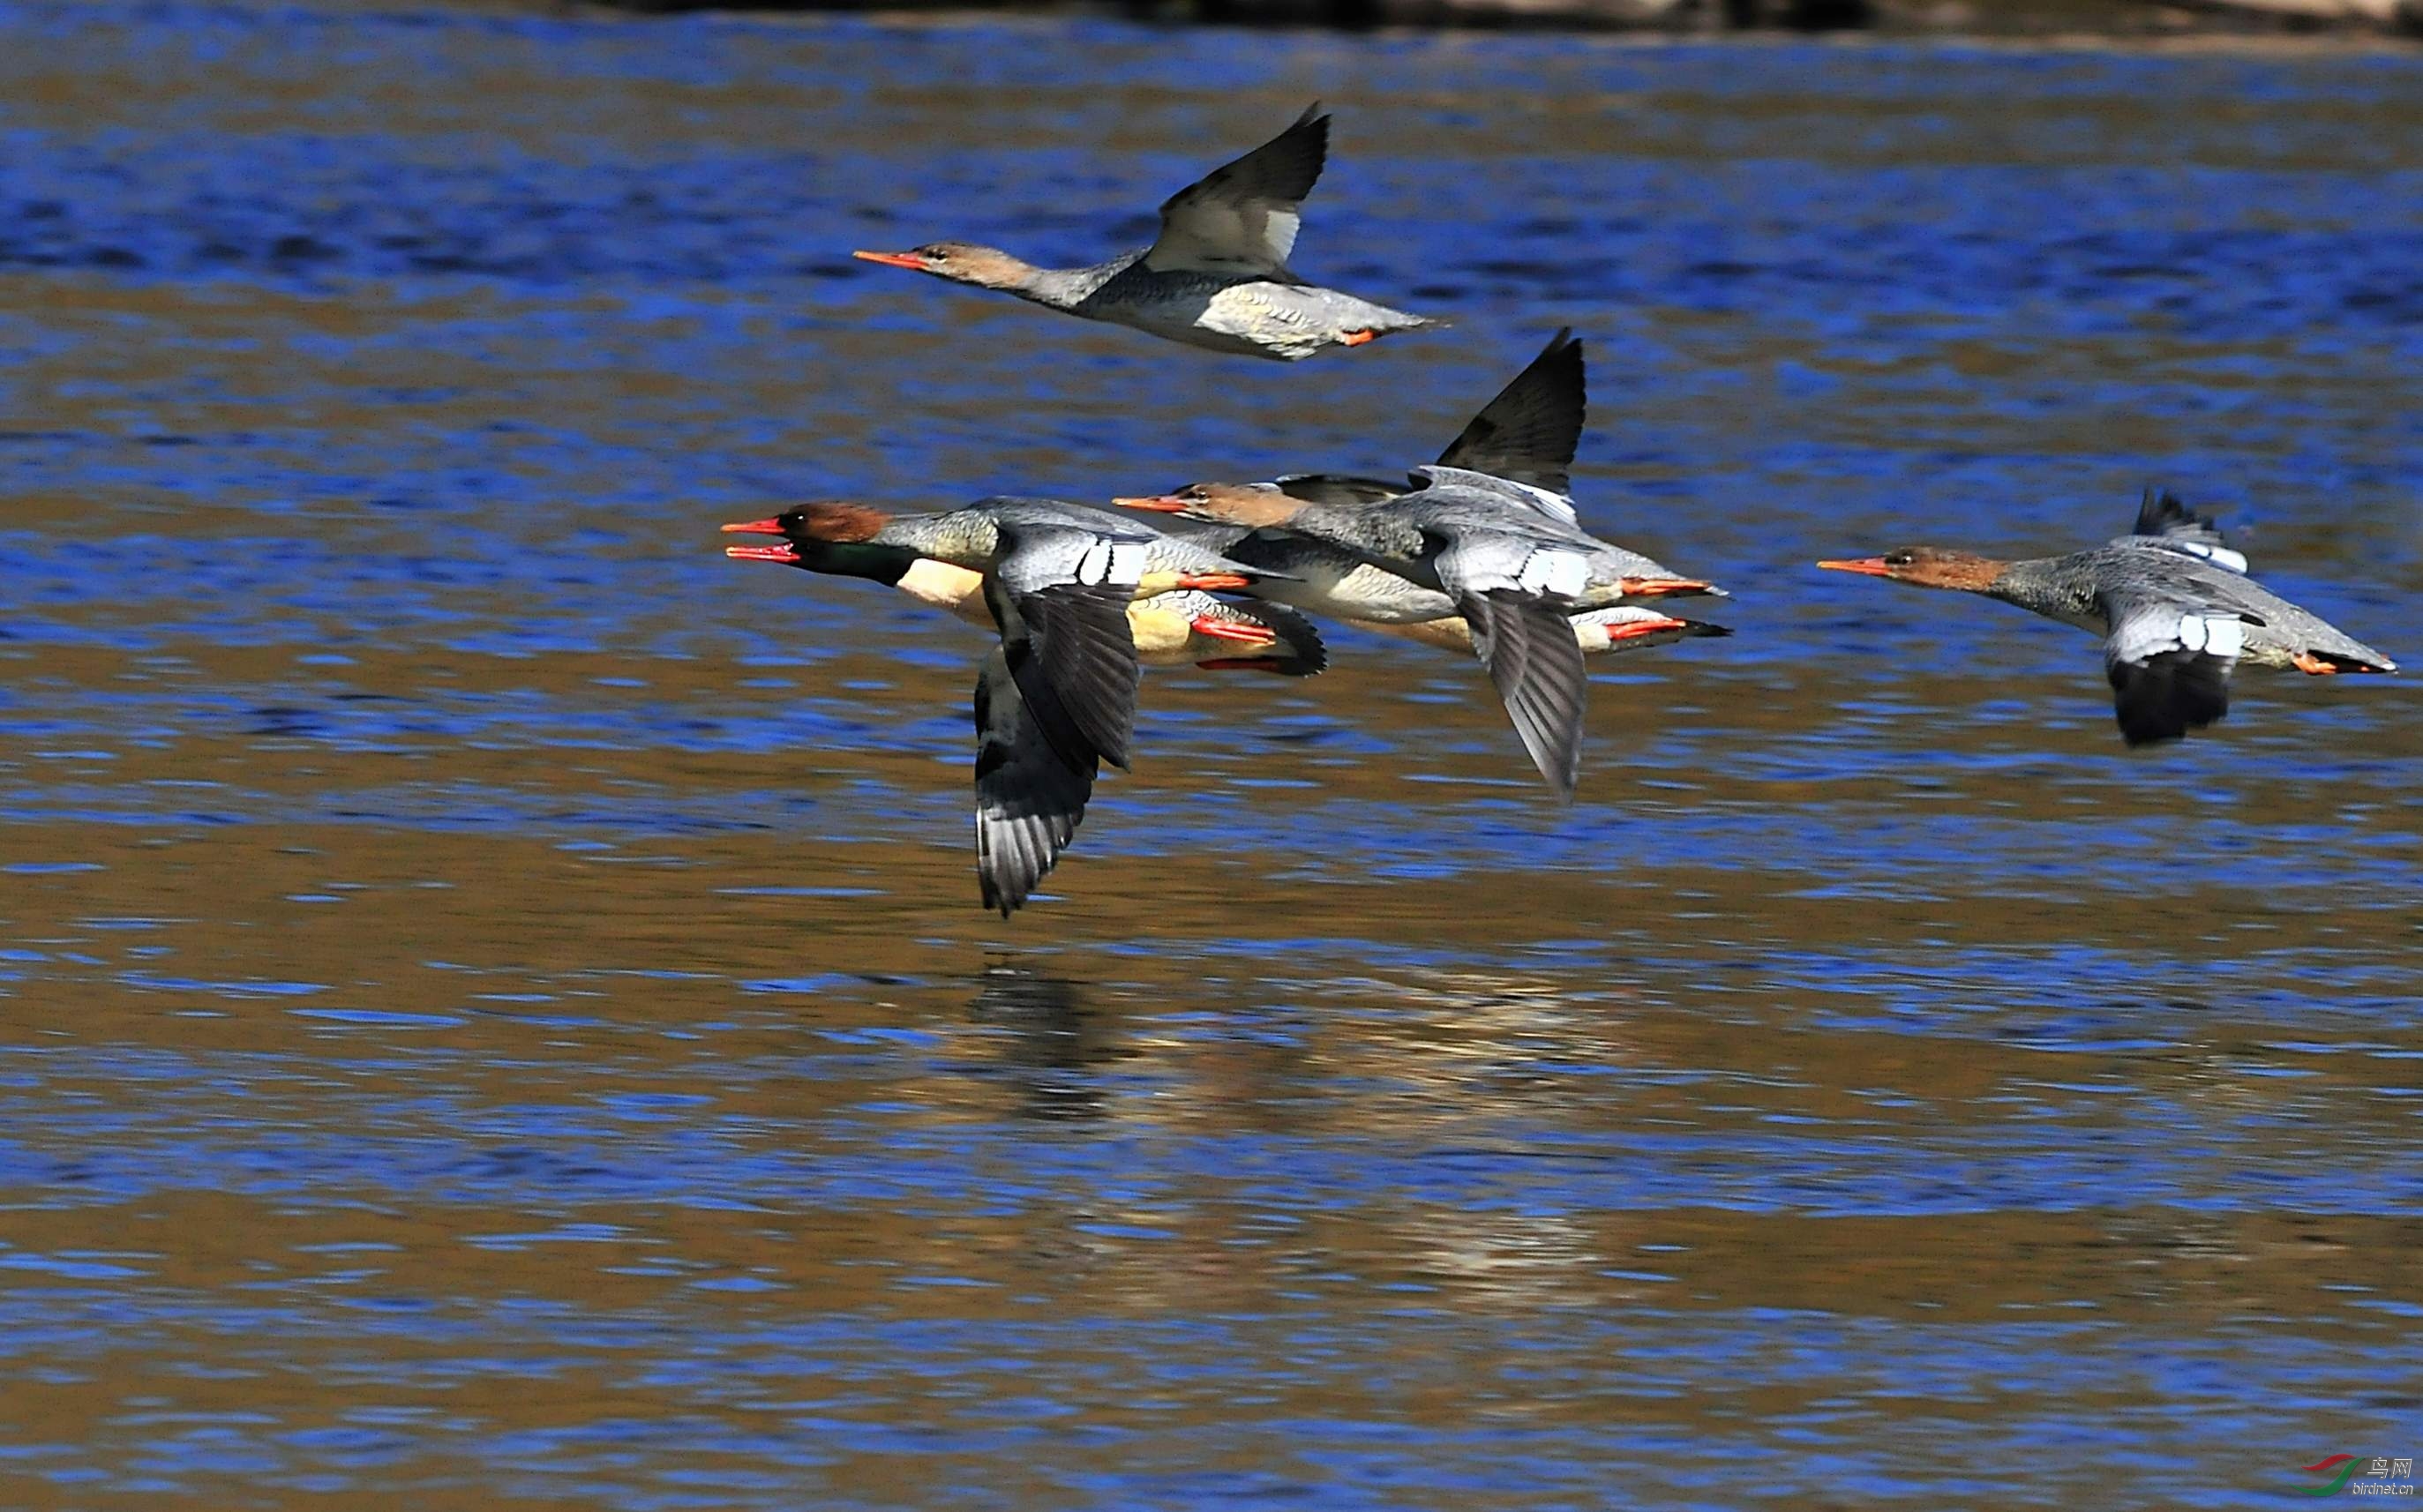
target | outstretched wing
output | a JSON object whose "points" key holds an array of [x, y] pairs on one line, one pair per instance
{"points": [[2169, 662], [2162, 520], [1532, 657], [1241, 218], [1029, 799], [1513, 594], [1073, 656], [1530, 430], [1553, 507], [1338, 488], [1060, 595]]}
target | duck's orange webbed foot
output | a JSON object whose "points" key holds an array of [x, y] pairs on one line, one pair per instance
{"points": [[2305, 661], [1356, 337]]}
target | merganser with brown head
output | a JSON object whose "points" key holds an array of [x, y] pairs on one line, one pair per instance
{"points": [[2172, 601], [1513, 574], [1184, 627], [1500, 549], [1519, 449], [1058, 697], [1058, 578], [1217, 278]]}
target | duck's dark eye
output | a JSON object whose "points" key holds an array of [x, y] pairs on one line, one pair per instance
{"points": [[1900, 558], [934, 254]]}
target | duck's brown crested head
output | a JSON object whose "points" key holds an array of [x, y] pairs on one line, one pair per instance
{"points": [[1927, 567], [987, 267], [832, 520], [1254, 504]]}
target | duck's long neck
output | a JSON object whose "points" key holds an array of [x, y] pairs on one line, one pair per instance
{"points": [[1367, 530], [964, 538], [2048, 585], [1068, 288]]}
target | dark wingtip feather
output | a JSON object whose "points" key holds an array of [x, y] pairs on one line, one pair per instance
{"points": [[1073, 656], [1305, 654], [2166, 696], [1029, 800], [2161, 512], [1531, 431]]}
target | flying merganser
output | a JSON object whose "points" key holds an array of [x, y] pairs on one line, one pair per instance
{"points": [[2174, 605], [1058, 578], [1057, 697], [1217, 276], [1520, 447], [1501, 549], [1173, 629], [1512, 571]]}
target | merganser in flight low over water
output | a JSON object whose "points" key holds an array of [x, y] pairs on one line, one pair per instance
{"points": [[1058, 578], [1058, 697], [1217, 276], [2173, 603], [1183, 627], [1500, 550]]}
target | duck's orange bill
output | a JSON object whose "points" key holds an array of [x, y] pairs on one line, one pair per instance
{"points": [[1870, 566], [769, 525], [1251, 635], [1635, 629], [1651, 587], [783, 554], [1158, 503], [893, 259], [1211, 580]]}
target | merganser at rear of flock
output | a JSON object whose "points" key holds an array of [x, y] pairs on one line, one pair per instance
{"points": [[1502, 551], [2174, 605], [1058, 697], [1217, 278]]}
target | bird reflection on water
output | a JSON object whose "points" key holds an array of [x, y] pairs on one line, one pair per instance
{"points": [[1052, 1045]]}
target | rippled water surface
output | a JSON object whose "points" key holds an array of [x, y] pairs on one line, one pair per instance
{"points": [[496, 1009]]}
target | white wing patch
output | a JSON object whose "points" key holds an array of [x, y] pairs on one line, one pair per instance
{"points": [[1548, 570], [2145, 629], [2218, 556], [2215, 635], [1110, 561]]}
